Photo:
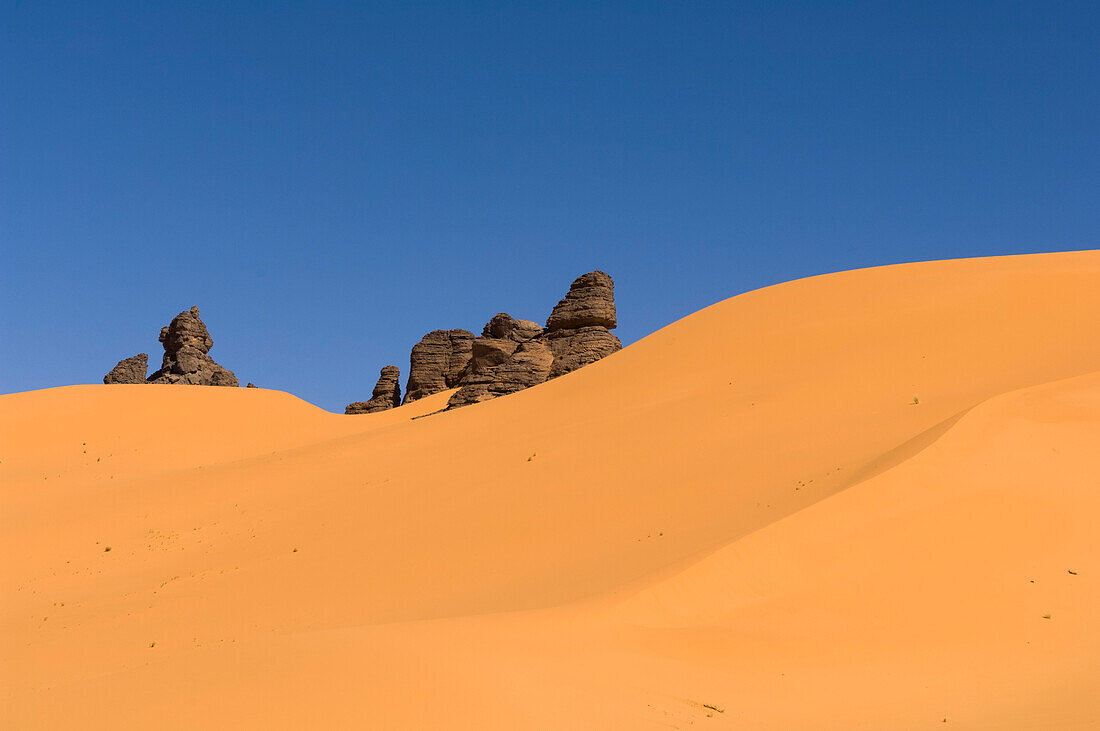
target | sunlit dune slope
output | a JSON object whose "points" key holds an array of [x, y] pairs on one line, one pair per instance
{"points": [[850, 501]]}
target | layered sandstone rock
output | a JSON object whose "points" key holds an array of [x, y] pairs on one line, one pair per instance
{"points": [[499, 339], [578, 330], [504, 326], [129, 370], [528, 366], [590, 301], [512, 355], [575, 349], [186, 344], [439, 361], [386, 395]]}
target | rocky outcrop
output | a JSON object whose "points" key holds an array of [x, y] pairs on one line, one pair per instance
{"points": [[186, 344], [438, 362], [504, 326], [512, 355], [575, 349], [590, 301], [578, 330], [499, 339], [387, 393], [129, 370], [528, 366], [187, 330]]}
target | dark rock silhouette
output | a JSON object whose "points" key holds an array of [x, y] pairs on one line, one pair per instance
{"points": [[186, 344], [439, 361], [129, 370], [251, 385], [387, 393]]}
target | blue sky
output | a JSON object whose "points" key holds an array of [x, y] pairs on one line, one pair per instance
{"points": [[329, 181]]}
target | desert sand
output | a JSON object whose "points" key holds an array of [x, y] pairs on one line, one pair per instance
{"points": [[865, 500]]}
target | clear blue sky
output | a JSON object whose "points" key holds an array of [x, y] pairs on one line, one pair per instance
{"points": [[329, 181]]}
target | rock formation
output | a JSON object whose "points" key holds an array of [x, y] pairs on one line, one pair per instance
{"points": [[512, 355], [186, 344], [129, 370], [499, 339], [504, 326], [439, 361], [509, 356], [578, 329], [387, 393], [575, 349], [529, 365], [590, 301]]}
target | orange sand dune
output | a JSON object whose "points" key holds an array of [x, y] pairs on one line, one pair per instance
{"points": [[859, 501]]}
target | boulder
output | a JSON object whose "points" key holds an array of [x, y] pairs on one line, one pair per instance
{"points": [[186, 344], [387, 393], [438, 362], [590, 301], [186, 330], [504, 326], [129, 370], [499, 339]]}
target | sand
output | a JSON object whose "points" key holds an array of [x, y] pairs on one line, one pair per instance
{"points": [[866, 500]]}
